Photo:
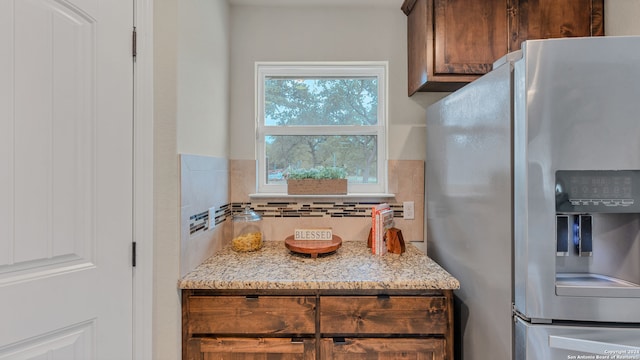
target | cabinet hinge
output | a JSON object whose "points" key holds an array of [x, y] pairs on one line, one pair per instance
{"points": [[134, 43], [133, 254]]}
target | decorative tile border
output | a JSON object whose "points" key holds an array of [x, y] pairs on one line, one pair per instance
{"points": [[222, 214], [314, 209]]}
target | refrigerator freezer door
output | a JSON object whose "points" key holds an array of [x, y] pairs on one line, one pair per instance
{"points": [[575, 108], [468, 200], [575, 342]]}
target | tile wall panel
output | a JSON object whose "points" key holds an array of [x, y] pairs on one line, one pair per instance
{"points": [[204, 183]]}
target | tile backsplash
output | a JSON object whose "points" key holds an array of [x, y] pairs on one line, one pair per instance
{"points": [[349, 219], [225, 185], [204, 183]]}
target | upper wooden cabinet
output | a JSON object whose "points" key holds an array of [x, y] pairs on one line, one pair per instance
{"points": [[453, 42], [545, 19]]}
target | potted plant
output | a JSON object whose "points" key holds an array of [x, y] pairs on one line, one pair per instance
{"points": [[317, 181]]}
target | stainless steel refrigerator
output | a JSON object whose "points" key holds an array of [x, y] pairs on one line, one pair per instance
{"points": [[533, 202]]}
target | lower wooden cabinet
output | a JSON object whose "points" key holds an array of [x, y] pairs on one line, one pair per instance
{"points": [[379, 349], [251, 348], [383, 315], [327, 325], [251, 314]]}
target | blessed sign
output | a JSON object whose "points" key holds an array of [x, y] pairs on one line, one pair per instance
{"points": [[313, 234]]}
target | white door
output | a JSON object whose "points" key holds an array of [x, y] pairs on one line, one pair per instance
{"points": [[66, 179]]}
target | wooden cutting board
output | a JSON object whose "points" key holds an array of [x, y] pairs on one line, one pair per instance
{"points": [[313, 247]]}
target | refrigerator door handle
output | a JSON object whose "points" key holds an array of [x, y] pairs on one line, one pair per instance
{"points": [[591, 346]]}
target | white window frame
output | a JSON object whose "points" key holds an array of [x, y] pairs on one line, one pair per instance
{"points": [[378, 69]]}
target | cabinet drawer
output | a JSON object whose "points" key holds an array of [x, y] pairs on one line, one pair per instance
{"points": [[253, 348], [374, 349], [251, 315], [421, 315]]}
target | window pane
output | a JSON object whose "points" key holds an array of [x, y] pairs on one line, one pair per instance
{"points": [[357, 154], [320, 101]]}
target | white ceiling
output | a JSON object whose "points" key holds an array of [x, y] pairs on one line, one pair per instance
{"points": [[368, 3]]}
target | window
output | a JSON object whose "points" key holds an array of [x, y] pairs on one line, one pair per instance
{"points": [[312, 115]]}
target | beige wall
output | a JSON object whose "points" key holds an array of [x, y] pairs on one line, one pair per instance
{"points": [[191, 116], [203, 78], [166, 318], [621, 17], [328, 33], [338, 33]]}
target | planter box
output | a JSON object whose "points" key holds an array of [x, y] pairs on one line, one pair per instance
{"points": [[317, 187]]}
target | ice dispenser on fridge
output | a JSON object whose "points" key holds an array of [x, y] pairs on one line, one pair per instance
{"points": [[598, 233]]}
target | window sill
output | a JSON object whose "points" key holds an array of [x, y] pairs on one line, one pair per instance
{"points": [[372, 196]]}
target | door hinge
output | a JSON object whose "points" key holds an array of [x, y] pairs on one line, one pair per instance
{"points": [[134, 43], [133, 254]]}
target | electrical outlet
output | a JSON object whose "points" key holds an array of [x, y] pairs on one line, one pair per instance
{"points": [[212, 217], [408, 210]]}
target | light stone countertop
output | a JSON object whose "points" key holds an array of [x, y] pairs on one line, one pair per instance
{"points": [[351, 267]]}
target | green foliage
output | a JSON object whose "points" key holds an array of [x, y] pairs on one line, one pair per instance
{"points": [[316, 173], [322, 102]]}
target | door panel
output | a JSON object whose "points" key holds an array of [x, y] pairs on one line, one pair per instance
{"points": [[66, 180], [74, 343], [583, 120], [469, 36], [53, 139], [571, 342]]}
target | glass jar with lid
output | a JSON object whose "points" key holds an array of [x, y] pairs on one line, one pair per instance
{"points": [[247, 231]]}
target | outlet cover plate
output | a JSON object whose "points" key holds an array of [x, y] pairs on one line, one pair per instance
{"points": [[408, 210]]}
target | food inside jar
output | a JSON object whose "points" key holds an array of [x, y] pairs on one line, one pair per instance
{"points": [[247, 242]]}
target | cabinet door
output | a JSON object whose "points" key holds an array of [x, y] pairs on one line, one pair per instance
{"points": [[383, 316], [251, 315], [251, 349], [545, 19], [469, 35], [379, 349], [453, 42], [419, 42]]}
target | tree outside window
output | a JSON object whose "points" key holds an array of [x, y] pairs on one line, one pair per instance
{"points": [[312, 116]]}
